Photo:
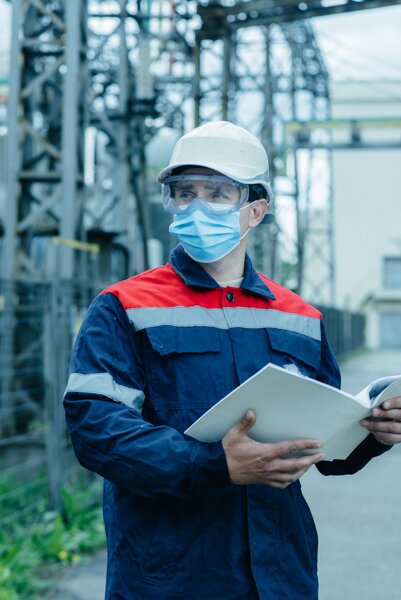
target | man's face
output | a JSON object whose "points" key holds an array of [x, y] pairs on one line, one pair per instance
{"points": [[218, 193]]}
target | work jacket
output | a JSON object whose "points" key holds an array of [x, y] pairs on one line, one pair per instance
{"points": [[153, 354]]}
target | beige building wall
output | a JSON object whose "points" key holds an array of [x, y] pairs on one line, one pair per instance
{"points": [[367, 203]]}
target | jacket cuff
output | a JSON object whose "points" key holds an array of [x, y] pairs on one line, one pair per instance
{"points": [[210, 465], [363, 453]]}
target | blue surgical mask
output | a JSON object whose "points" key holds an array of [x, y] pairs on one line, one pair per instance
{"points": [[207, 237]]}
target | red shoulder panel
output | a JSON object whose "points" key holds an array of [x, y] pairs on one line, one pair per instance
{"points": [[162, 287], [288, 301]]}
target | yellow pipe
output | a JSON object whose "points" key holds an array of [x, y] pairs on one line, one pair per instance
{"points": [[77, 245]]}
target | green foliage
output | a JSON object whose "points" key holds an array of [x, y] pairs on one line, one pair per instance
{"points": [[289, 275], [30, 554]]}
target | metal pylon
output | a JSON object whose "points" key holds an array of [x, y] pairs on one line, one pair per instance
{"points": [[46, 118], [262, 77]]}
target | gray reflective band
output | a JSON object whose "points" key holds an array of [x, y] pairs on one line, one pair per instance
{"points": [[224, 318], [104, 384]]}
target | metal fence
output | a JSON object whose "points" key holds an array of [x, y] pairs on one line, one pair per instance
{"points": [[345, 330], [38, 324]]}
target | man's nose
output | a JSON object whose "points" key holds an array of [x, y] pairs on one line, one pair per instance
{"points": [[201, 191]]}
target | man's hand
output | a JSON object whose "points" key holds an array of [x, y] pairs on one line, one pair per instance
{"points": [[253, 462], [386, 425]]}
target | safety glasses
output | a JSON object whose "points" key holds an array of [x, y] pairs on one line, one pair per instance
{"points": [[221, 193]]}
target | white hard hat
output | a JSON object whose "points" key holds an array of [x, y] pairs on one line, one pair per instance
{"points": [[226, 148]]}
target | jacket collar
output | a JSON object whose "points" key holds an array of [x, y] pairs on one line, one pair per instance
{"points": [[193, 274]]}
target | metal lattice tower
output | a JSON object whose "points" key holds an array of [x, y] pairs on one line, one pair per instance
{"points": [[312, 169], [46, 128], [46, 125], [262, 78]]}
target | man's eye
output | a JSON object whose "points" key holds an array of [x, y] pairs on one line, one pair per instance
{"points": [[185, 195]]}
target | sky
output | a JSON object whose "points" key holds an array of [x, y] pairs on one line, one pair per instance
{"points": [[363, 44]]}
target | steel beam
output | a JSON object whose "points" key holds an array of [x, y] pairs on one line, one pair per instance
{"points": [[285, 76], [262, 12], [12, 155], [312, 181], [73, 126]]}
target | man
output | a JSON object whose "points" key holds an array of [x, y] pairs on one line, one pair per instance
{"points": [[187, 520]]}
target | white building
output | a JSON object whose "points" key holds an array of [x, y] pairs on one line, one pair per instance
{"points": [[367, 208]]}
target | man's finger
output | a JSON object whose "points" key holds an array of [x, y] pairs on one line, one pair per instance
{"points": [[289, 476], [293, 465], [293, 446], [388, 438], [394, 402], [394, 413], [383, 426]]}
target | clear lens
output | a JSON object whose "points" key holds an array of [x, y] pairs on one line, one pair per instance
{"points": [[220, 193]]}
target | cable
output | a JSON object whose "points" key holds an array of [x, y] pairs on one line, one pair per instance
{"points": [[374, 84], [353, 47], [352, 63]]}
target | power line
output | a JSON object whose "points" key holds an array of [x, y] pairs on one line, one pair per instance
{"points": [[347, 64], [353, 47], [365, 54], [332, 55], [373, 84]]}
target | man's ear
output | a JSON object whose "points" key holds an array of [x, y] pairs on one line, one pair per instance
{"points": [[257, 212]]}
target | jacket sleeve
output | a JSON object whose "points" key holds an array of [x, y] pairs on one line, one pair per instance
{"points": [[103, 402], [329, 372]]}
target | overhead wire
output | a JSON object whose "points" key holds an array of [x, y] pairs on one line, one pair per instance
{"points": [[376, 84], [352, 62], [354, 47], [349, 66], [361, 55]]}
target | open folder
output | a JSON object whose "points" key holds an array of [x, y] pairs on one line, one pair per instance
{"points": [[289, 406]]}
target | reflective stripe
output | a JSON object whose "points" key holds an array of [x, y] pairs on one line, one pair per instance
{"points": [[104, 384], [224, 318]]}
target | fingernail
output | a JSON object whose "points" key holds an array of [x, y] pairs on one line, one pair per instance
{"points": [[247, 417]]}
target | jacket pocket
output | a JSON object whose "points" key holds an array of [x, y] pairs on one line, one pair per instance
{"points": [[294, 351], [186, 367]]}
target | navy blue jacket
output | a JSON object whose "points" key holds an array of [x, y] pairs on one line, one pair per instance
{"points": [[153, 354]]}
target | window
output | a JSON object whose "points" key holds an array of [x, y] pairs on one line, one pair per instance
{"points": [[392, 272]]}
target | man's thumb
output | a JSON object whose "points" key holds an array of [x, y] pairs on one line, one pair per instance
{"points": [[247, 421], [240, 428]]}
